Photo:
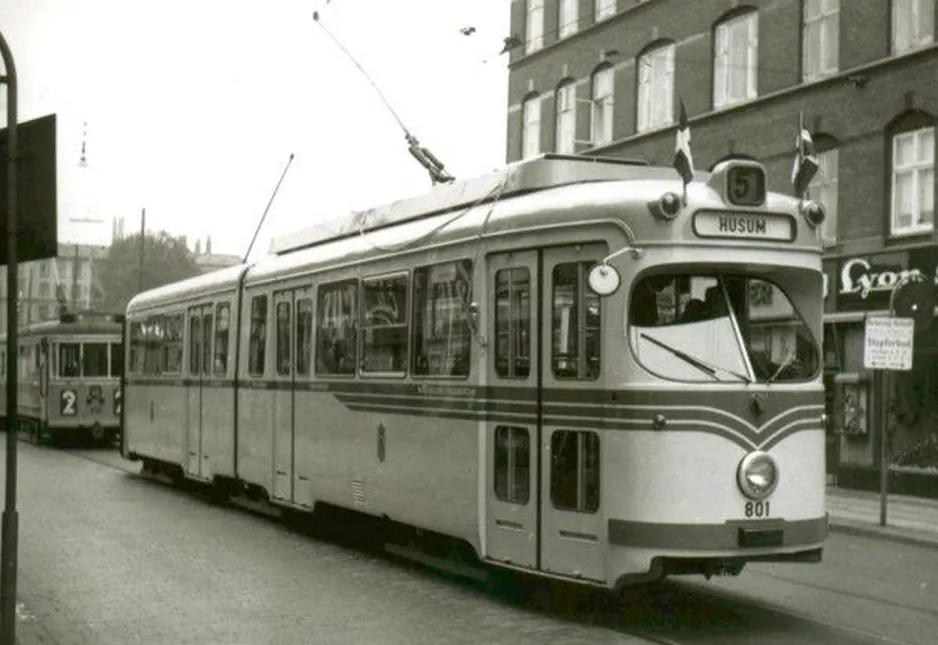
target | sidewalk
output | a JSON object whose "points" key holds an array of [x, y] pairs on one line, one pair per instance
{"points": [[911, 520]]}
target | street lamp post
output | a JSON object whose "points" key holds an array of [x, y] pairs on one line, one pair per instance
{"points": [[10, 516]]}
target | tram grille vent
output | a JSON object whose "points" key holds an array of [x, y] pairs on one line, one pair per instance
{"points": [[358, 491]]}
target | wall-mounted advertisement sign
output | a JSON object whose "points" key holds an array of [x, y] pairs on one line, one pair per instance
{"points": [[865, 283]]}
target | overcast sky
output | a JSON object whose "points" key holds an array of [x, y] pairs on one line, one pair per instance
{"points": [[194, 106]]}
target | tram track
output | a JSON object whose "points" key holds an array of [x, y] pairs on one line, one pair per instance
{"points": [[673, 612]]}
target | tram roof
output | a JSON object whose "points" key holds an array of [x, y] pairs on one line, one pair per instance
{"points": [[75, 324], [174, 292], [545, 171]]}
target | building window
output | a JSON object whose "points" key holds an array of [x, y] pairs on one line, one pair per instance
{"points": [[604, 9], [913, 181], [534, 29], [567, 17], [821, 38], [823, 189], [566, 117], [531, 133], [601, 107], [913, 24], [736, 60], [656, 88]]}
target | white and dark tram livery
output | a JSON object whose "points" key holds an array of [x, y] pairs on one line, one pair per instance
{"points": [[563, 365], [68, 377]]}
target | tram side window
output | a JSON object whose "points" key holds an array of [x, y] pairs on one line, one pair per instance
{"points": [[304, 335], [173, 342], [69, 360], [512, 464], [94, 359], [574, 470], [513, 323], [117, 359], [195, 343], [207, 331], [337, 328], [222, 321], [155, 337], [384, 324], [283, 338], [258, 339], [575, 345], [137, 348], [442, 332]]}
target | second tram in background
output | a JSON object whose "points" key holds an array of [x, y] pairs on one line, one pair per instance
{"points": [[69, 377]]}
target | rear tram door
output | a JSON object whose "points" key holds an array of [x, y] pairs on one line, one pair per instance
{"points": [[293, 320], [572, 529], [511, 426], [200, 321]]}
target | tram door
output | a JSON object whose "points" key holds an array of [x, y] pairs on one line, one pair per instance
{"points": [[512, 436], [542, 461], [573, 534], [292, 342], [200, 322]]}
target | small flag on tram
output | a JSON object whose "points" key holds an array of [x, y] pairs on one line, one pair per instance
{"points": [[806, 163], [683, 160]]}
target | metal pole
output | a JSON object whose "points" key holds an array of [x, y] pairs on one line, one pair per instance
{"points": [[8, 556], [884, 382], [143, 230]]}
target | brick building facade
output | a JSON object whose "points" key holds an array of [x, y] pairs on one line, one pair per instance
{"points": [[606, 77]]}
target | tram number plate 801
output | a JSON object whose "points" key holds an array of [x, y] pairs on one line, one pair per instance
{"points": [[756, 509]]}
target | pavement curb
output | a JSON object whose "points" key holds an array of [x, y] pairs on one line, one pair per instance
{"points": [[892, 534]]}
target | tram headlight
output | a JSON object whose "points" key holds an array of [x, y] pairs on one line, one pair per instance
{"points": [[757, 475], [814, 214]]}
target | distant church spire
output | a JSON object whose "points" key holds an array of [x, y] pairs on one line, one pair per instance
{"points": [[83, 161]]}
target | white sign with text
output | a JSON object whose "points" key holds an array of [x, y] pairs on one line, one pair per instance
{"points": [[888, 343]]}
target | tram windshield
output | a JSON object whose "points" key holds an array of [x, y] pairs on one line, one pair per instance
{"points": [[720, 328]]}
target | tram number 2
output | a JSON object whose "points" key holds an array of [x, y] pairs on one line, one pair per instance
{"points": [[756, 509], [68, 404]]}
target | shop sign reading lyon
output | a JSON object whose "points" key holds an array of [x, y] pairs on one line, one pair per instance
{"points": [[858, 277]]}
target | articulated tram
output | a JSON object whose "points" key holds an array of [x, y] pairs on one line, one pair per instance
{"points": [[68, 377], [571, 366]]}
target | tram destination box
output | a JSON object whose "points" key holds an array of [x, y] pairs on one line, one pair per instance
{"points": [[37, 216]]}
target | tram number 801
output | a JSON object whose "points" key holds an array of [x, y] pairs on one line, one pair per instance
{"points": [[756, 509]]}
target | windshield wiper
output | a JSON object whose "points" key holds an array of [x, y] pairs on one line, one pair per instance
{"points": [[696, 362], [788, 361]]}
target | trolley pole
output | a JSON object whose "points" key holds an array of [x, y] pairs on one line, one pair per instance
{"points": [[8, 556], [143, 234]]}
